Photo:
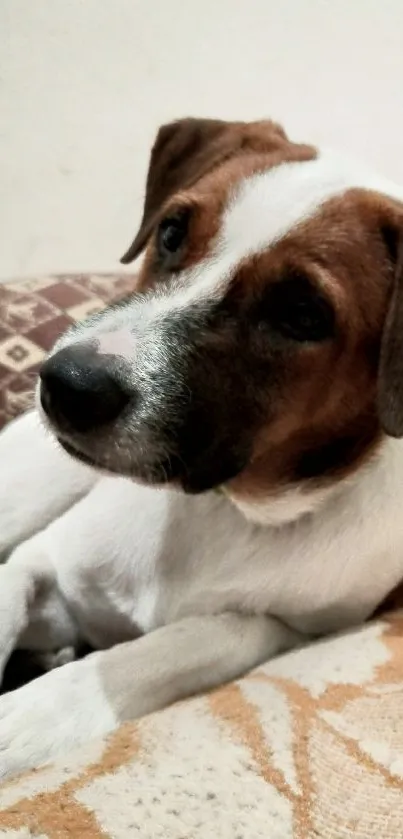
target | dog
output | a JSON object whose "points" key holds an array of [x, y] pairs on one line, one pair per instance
{"points": [[213, 474]]}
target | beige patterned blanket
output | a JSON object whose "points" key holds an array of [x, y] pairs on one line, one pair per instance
{"points": [[308, 746]]}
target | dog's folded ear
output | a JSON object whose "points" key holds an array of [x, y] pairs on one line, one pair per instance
{"points": [[186, 150], [390, 376]]}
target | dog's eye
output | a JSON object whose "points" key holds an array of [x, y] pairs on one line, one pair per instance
{"points": [[171, 234], [295, 308]]}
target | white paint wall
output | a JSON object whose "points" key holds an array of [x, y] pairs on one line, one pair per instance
{"points": [[84, 83]]}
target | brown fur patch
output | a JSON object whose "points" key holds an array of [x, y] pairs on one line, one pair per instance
{"points": [[326, 421]]}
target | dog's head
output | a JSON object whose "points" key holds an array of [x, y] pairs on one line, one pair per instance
{"points": [[261, 346]]}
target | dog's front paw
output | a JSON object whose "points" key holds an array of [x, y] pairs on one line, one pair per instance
{"points": [[52, 715]]}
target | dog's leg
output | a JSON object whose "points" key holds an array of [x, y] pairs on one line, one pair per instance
{"points": [[33, 613], [49, 570], [38, 481], [91, 697]]}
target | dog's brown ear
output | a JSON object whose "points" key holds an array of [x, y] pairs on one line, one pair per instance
{"points": [[189, 148], [390, 377]]}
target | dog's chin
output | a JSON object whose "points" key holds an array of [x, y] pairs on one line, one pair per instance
{"points": [[154, 474], [169, 472], [77, 454]]}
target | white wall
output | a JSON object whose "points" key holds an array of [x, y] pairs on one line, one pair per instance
{"points": [[84, 83]]}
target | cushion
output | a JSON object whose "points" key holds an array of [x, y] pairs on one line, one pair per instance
{"points": [[33, 313], [309, 745]]}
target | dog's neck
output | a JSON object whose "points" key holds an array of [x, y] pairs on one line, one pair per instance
{"points": [[287, 506], [299, 500]]}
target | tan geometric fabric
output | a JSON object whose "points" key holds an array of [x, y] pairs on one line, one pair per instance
{"points": [[33, 313], [310, 746]]}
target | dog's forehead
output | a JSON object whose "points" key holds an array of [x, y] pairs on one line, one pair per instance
{"points": [[266, 206], [259, 209]]}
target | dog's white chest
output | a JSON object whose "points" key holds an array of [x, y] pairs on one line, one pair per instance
{"points": [[158, 556]]}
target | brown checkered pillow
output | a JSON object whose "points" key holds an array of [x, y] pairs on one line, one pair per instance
{"points": [[33, 313]]}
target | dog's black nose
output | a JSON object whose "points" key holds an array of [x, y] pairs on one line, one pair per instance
{"points": [[78, 392]]}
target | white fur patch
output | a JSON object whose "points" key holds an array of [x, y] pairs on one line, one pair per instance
{"points": [[268, 205], [288, 506]]}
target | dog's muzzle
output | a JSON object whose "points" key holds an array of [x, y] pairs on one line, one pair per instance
{"points": [[165, 412]]}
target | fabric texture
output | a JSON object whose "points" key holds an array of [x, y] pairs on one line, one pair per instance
{"points": [[33, 313], [309, 746]]}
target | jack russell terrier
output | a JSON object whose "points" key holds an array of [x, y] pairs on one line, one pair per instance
{"points": [[213, 474]]}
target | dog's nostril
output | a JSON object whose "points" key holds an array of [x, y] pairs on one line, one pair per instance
{"points": [[78, 391]]}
